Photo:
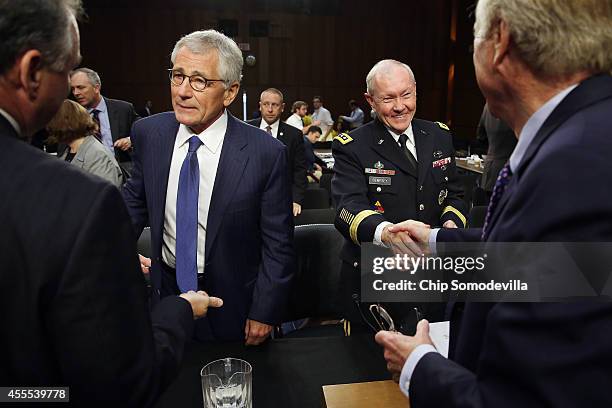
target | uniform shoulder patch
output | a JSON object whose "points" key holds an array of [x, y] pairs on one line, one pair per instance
{"points": [[442, 125], [343, 138]]}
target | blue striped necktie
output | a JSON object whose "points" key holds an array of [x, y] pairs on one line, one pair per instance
{"points": [[498, 191], [187, 219]]}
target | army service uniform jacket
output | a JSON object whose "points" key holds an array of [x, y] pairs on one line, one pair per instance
{"points": [[375, 182]]}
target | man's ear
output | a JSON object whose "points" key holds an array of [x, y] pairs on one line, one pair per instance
{"points": [[501, 38], [30, 73], [230, 94], [369, 99]]}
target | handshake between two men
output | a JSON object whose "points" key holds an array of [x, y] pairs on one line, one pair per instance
{"points": [[409, 237]]}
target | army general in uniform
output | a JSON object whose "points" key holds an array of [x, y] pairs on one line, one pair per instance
{"points": [[392, 169]]}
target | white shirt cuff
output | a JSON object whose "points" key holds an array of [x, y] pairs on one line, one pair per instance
{"points": [[378, 234], [433, 235], [411, 364]]}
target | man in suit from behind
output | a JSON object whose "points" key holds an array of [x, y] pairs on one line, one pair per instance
{"points": [[114, 117], [502, 141], [544, 67], [215, 192], [271, 106], [72, 296]]}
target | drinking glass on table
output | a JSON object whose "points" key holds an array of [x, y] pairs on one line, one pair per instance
{"points": [[226, 383]]}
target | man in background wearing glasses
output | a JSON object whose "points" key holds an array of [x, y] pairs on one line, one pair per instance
{"points": [[215, 192], [394, 168]]}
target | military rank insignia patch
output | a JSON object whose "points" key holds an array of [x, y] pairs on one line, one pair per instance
{"points": [[343, 138], [442, 125]]}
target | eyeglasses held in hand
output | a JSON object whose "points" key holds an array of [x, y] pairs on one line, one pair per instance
{"points": [[383, 318]]}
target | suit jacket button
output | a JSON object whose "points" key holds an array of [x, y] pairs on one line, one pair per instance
{"points": [[421, 207], [355, 264]]}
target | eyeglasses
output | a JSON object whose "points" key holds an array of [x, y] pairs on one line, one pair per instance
{"points": [[197, 82], [383, 318]]}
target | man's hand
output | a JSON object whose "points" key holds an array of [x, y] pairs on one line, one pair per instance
{"points": [[316, 123], [398, 347], [399, 238], [255, 332], [449, 224], [124, 143], [145, 264], [297, 209], [200, 302], [418, 231], [317, 167]]}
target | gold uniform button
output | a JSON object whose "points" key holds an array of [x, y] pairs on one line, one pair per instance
{"points": [[421, 207]]}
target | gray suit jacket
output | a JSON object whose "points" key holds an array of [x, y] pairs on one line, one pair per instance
{"points": [[94, 158]]}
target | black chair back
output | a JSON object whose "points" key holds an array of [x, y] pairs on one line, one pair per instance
{"points": [[316, 216], [315, 284], [315, 198]]}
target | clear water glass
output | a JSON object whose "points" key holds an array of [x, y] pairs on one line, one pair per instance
{"points": [[226, 383]]}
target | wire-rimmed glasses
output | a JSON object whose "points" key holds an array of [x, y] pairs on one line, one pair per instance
{"points": [[383, 318]]}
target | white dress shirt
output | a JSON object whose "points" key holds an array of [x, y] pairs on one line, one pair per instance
{"points": [[208, 160], [528, 133], [274, 127], [296, 121], [410, 144], [324, 116]]}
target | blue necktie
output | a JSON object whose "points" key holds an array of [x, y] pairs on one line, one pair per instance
{"points": [[187, 220], [498, 191]]}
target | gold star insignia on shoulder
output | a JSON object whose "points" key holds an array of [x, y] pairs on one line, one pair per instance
{"points": [[442, 125], [343, 138]]}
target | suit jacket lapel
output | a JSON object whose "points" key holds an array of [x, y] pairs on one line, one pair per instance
{"points": [[389, 149], [424, 148], [588, 92], [162, 146], [232, 162], [113, 119]]}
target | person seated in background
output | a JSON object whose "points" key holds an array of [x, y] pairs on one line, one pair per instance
{"points": [[356, 118], [314, 165], [72, 125], [299, 119]]}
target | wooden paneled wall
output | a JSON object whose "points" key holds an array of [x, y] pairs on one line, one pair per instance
{"points": [[313, 47]]}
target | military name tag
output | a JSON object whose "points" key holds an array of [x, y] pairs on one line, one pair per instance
{"points": [[381, 181], [378, 171], [441, 162]]}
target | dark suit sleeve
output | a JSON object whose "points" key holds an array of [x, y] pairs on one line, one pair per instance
{"points": [[134, 190], [107, 347], [278, 259], [355, 217], [299, 169]]}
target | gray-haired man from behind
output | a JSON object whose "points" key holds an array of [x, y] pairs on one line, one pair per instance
{"points": [[72, 297]]}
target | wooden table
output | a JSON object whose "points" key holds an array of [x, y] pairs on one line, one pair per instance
{"points": [[365, 395], [463, 164]]}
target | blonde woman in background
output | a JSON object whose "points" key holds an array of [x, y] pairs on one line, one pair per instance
{"points": [[74, 126]]}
